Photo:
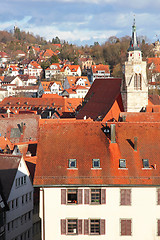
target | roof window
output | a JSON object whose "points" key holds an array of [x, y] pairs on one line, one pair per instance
{"points": [[145, 163], [122, 163], [96, 163], [72, 163]]}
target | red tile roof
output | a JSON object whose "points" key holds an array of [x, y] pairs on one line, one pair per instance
{"points": [[100, 98], [85, 140], [100, 67]]}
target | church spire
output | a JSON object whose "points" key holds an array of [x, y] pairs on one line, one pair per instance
{"points": [[134, 42]]}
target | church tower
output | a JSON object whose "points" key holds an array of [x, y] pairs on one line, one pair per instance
{"points": [[135, 86]]}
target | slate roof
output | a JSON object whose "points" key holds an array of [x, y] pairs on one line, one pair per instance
{"points": [[100, 98], [8, 169], [85, 140]]}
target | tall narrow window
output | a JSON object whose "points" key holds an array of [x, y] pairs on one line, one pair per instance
{"points": [[95, 226], [72, 226], [96, 196], [145, 163]]}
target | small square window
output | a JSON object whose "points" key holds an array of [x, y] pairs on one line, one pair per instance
{"points": [[72, 226], [122, 163], [145, 163], [96, 163], [72, 163]]}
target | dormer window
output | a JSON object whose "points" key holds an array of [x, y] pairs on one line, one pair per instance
{"points": [[96, 163], [145, 163], [72, 163], [122, 163]]}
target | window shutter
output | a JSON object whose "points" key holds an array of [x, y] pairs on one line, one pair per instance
{"points": [[102, 226], [123, 227], [80, 196], [158, 227], [103, 196], [128, 196], [86, 227], [128, 227], [122, 196], [158, 196], [63, 226], [79, 226], [63, 196], [86, 196], [125, 196]]}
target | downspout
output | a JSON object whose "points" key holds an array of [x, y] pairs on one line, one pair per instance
{"points": [[43, 209]]}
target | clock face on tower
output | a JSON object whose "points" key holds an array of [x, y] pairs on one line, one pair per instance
{"points": [[137, 68]]}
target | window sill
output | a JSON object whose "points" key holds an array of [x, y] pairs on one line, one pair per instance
{"points": [[72, 168], [147, 168], [96, 168], [122, 168]]}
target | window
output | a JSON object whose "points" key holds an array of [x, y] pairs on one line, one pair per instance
{"points": [[72, 163], [125, 197], [72, 226], [96, 163], [126, 227], [95, 226], [20, 181], [122, 163], [95, 196], [145, 163], [72, 196]]}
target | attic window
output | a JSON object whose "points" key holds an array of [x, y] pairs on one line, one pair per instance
{"points": [[72, 163], [122, 163], [26, 103], [96, 163], [18, 103], [145, 163]]}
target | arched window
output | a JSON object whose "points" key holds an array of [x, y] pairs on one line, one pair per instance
{"points": [[137, 81]]}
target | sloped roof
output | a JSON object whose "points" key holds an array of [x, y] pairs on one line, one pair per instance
{"points": [[100, 98], [55, 102], [4, 142], [85, 140], [100, 67], [8, 169], [9, 127], [140, 117], [154, 99]]}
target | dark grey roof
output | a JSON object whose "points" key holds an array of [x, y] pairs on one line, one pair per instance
{"points": [[8, 169], [134, 42]]}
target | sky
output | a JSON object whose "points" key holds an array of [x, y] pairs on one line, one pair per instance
{"points": [[82, 22]]}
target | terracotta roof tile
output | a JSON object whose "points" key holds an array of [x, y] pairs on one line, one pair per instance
{"points": [[100, 98], [60, 141]]}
